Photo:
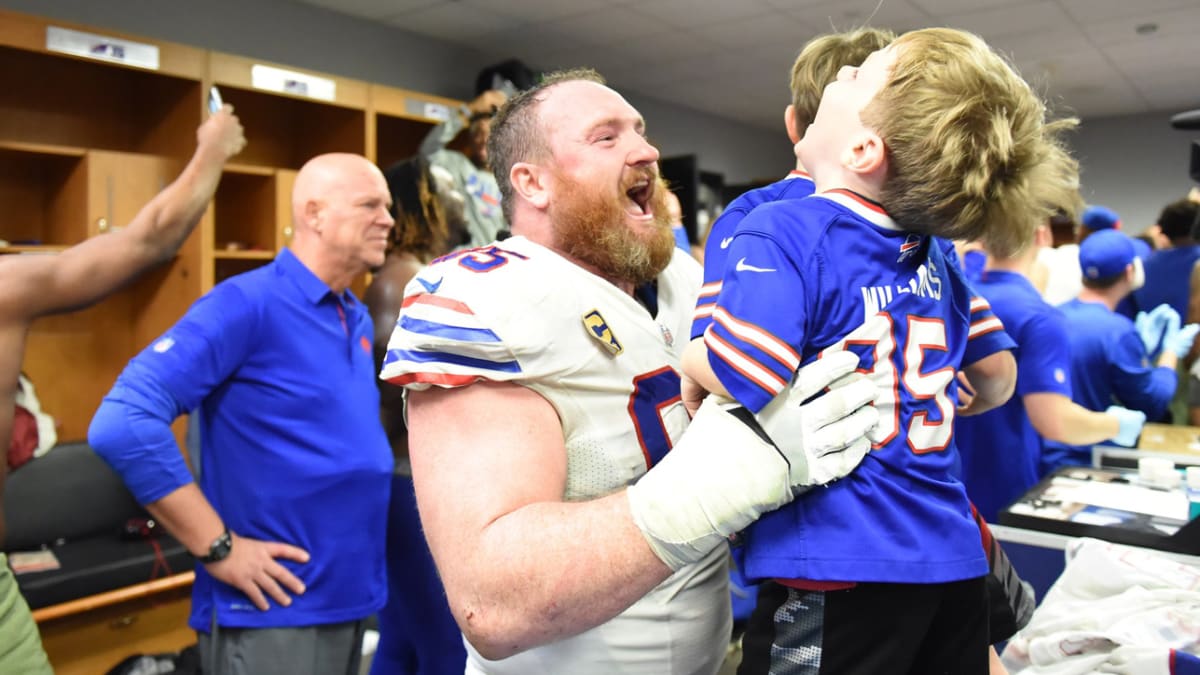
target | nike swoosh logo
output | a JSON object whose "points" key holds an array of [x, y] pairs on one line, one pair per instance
{"points": [[743, 267], [726, 242], [431, 287]]}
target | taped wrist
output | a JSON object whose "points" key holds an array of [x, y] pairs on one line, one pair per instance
{"points": [[720, 477]]}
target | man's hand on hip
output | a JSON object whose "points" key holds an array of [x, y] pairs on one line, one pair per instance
{"points": [[251, 568]]}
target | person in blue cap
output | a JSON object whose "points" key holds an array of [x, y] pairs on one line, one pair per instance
{"points": [[1001, 449], [1109, 360], [1128, 305], [1062, 263], [1165, 274]]}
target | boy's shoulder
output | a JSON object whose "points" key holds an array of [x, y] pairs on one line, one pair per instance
{"points": [[833, 218], [806, 219], [792, 187]]}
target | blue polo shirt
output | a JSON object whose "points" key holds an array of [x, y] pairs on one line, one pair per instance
{"points": [[291, 445], [1000, 450]]}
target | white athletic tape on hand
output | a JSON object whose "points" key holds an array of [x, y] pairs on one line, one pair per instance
{"points": [[722, 475], [719, 478]]}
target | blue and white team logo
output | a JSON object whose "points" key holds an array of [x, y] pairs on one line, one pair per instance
{"points": [[598, 328], [430, 286], [911, 243]]}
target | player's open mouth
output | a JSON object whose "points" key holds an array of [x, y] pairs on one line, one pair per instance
{"points": [[639, 197]]}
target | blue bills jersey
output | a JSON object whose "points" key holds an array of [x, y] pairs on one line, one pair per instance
{"points": [[802, 278], [797, 185], [518, 312]]}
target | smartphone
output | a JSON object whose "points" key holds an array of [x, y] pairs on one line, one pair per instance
{"points": [[214, 100]]}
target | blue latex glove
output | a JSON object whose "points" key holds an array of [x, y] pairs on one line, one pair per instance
{"points": [[1152, 325], [1130, 421], [1180, 341]]}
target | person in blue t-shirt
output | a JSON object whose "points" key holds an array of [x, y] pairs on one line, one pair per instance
{"points": [[1128, 305], [896, 537], [1002, 448], [1109, 360], [1166, 268], [1062, 263], [288, 523]]}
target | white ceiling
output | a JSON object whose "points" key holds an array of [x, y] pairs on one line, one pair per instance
{"points": [[731, 57]]}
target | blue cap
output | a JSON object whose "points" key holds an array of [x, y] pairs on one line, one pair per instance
{"points": [[1100, 218], [1106, 254]]}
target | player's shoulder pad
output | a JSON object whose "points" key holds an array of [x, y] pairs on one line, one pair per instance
{"points": [[517, 291], [514, 276]]}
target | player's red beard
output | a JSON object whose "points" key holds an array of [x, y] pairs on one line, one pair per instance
{"points": [[591, 226]]}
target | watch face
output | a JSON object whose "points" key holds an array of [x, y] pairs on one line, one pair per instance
{"points": [[219, 549]]}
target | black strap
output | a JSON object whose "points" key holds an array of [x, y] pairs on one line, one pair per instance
{"points": [[746, 417]]}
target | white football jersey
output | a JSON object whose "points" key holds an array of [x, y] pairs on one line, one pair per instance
{"points": [[519, 312]]}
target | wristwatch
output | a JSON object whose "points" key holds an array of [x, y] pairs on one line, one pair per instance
{"points": [[219, 549]]}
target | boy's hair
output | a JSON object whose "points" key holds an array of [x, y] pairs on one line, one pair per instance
{"points": [[970, 152], [421, 225], [819, 62], [1178, 218], [517, 135]]}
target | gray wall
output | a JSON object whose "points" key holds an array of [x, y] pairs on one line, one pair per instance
{"points": [[741, 152], [1134, 165], [296, 34]]}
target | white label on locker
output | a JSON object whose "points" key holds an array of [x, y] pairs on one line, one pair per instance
{"points": [[101, 47], [289, 82], [437, 111]]}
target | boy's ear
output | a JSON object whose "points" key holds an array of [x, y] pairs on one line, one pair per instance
{"points": [[789, 123], [529, 181], [865, 154], [1043, 237]]}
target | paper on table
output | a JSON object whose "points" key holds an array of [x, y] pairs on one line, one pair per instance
{"points": [[1171, 504]]}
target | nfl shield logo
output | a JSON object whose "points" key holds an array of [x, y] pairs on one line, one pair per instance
{"points": [[666, 333]]}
